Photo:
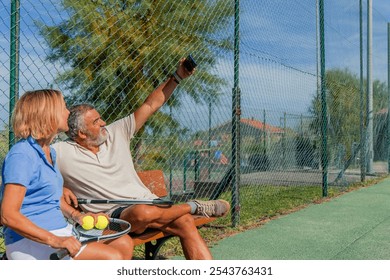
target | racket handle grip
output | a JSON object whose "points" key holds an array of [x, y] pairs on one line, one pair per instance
{"points": [[162, 201], [59, 255], [82, 201]]}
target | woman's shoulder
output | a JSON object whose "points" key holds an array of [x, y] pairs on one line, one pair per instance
{"points": [[22, 148]]}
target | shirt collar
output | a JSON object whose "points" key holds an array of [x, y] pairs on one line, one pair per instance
{"points": [[40, 151]]}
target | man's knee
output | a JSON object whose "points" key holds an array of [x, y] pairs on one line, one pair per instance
{"points": [[140, 214], [185, 222]]}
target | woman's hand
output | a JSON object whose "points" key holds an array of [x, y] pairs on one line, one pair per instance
{"points": [[70, 243]]}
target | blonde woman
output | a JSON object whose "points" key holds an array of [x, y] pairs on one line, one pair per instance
{"points": [[32, 211]]}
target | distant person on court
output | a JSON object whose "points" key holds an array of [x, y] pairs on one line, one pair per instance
{"points": [[32, 206], [96, 162]]}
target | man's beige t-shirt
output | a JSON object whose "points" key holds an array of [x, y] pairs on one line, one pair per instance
{"points": [[110, 174]]}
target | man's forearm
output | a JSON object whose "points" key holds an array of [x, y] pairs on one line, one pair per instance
{"points": [[161, 94]]}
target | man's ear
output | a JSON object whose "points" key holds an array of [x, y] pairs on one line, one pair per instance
{"points": [[81, 135]]}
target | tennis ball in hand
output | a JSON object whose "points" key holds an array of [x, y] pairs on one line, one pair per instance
{"points": [[102, 222], [88, 222]]}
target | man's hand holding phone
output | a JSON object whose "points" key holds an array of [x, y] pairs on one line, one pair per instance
{"points": [[189, 65]]}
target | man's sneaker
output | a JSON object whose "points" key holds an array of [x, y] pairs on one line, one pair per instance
{"points": [[212, 208]]}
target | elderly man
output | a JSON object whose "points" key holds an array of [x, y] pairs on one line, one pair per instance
{"points": [[96, 162]]}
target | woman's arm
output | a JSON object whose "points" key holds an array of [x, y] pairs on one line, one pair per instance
{"points": [[12, 217]]}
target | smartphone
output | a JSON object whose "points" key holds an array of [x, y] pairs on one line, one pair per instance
{"points": [[189, 63]]}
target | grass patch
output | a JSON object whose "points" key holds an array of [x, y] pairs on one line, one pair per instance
{"points": [[2, 244]]}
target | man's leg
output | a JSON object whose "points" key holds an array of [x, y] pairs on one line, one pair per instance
{"points": [[142, 216], [175, 220], [194, 247]]}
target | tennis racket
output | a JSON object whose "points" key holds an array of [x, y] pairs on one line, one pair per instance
{"points": [[157, 201], [116, 228]]}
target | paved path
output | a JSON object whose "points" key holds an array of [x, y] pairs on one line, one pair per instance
{"points": [[354, 226]]}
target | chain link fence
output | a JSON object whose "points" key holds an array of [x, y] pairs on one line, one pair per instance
{"points": [[113, 53]]}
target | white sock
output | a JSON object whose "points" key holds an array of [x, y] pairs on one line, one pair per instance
{"points": [[193, 206]]}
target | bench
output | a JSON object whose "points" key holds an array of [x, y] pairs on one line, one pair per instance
{"points": [[154, 238]]}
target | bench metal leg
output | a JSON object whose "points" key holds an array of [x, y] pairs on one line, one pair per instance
{"points": [[152, 248]]}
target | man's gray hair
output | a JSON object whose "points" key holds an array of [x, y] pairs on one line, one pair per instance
{"points": [[76, 121]]}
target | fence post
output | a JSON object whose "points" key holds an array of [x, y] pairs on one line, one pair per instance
{"points": [[324, 114], [363, 163], [185, 172], [370, 105], [388, 91], [236, 111], [14, 65]]}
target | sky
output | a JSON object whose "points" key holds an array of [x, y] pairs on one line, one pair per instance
{"points": [[277, 56]]}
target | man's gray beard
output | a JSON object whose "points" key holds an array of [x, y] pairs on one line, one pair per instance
{"points": [[98, 141]]}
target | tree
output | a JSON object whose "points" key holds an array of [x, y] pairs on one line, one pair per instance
{"points": [[118, 51], [343, 106], [4, 144], [380, 120]]}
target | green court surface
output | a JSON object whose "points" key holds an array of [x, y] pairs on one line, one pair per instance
{"points": [[354, 226]]}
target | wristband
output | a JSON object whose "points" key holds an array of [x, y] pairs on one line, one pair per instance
{"points": [[176, 78]]}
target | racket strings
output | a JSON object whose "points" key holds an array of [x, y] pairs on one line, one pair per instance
{"points": [[114, 227]]}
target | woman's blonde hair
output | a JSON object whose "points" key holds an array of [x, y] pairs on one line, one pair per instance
{"points": [[36, 114]]}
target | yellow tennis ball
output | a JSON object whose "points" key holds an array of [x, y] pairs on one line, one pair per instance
{"points": [[88, 222], [102, 222]]}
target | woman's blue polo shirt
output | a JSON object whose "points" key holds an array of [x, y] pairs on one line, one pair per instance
{"points": [[26, 165]]}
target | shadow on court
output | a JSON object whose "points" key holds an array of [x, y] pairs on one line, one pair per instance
{"points": [[354, 226]]}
